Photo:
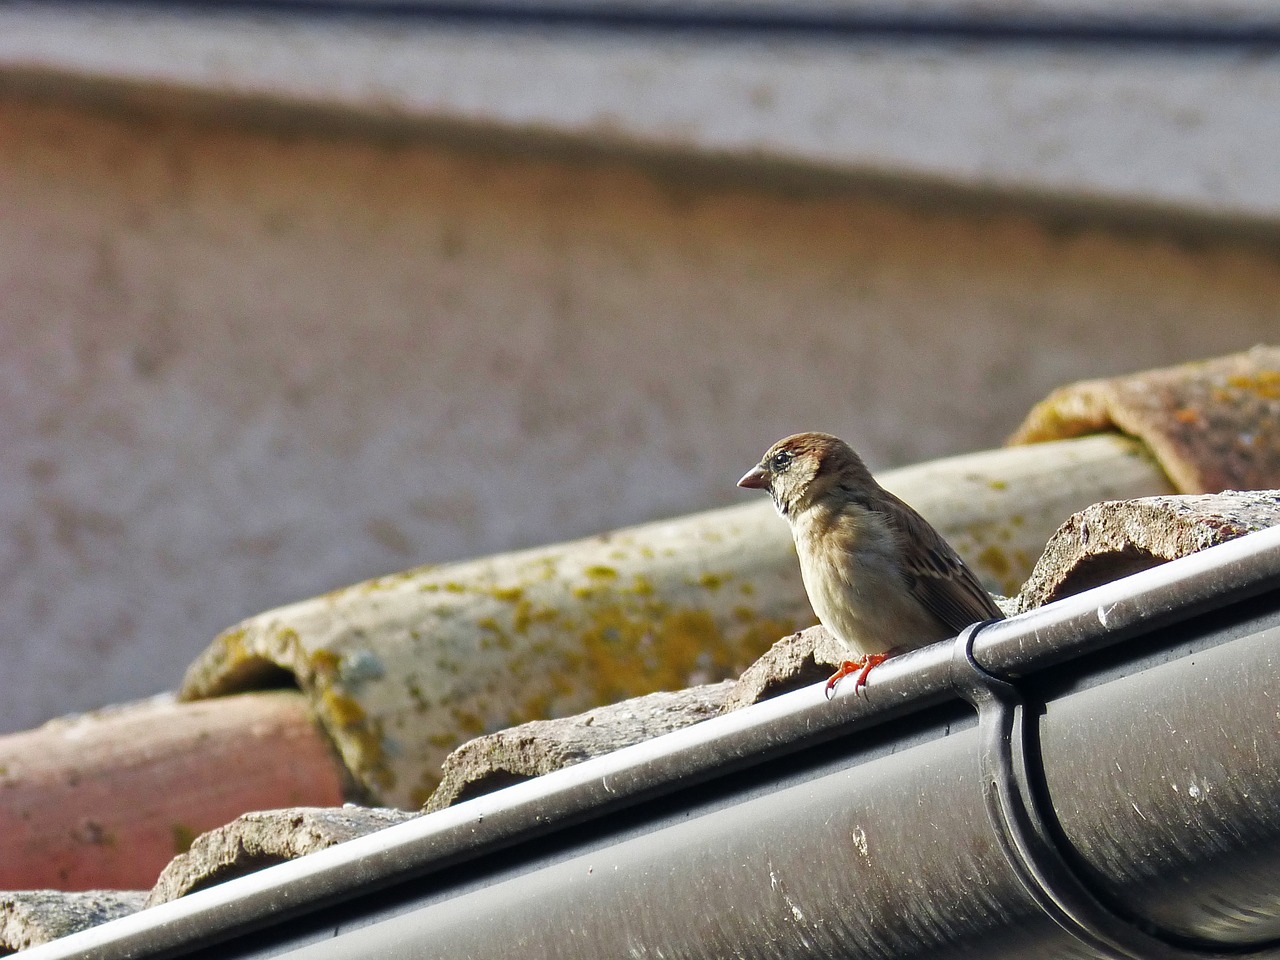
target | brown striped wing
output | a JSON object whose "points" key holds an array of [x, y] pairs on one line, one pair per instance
{"points": [[935, 574]]}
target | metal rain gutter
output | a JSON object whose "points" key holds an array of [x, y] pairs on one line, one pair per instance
{"points": [[1116, 799]]}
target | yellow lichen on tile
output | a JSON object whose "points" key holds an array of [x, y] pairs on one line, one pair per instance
{"points": [[358, 736], [1265, 384]]}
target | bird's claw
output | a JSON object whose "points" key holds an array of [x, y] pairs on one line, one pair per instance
{"points": [[863, 664]]}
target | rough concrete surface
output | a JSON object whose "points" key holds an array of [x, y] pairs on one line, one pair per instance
{"points": [[500, 759], [261, 838], [31, 917], [1115, 539]]}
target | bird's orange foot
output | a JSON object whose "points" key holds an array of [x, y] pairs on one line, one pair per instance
{"points": [[853, 666]]}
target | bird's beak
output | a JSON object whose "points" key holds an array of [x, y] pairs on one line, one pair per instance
{"points": [[756, 479]]}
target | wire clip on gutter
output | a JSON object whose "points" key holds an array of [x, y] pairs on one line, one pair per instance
{"points": [[1005, 731]]}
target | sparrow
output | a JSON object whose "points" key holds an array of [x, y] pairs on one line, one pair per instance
{"points": [[879, 577]]}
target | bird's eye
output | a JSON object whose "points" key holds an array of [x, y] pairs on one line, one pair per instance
{"points": [[780, 461]]}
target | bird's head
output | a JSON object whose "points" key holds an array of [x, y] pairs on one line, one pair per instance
{"points": [[802, 469]]}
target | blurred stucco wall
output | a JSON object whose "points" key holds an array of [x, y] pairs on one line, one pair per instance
{"points": [[242, 363]]}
